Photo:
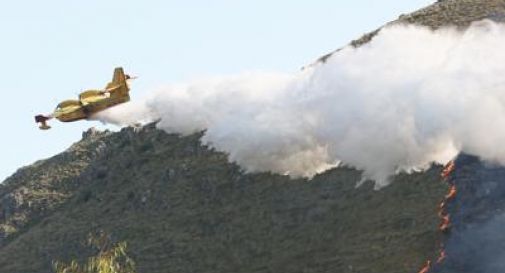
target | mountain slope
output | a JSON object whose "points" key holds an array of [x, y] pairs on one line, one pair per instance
{"points": [[183, 208], [33, 191], [443, 13]]}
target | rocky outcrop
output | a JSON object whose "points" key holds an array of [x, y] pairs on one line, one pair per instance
{"points": [[35, 191]]}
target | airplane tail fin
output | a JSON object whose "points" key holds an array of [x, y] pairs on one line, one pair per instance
{"points": [[42, 120], [119, 81], [119, 76]]}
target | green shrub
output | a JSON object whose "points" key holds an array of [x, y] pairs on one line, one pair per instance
{"points": [[110, 258]]}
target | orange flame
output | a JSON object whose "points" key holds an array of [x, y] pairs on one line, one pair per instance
{"points": [[445, 224], [448, 169], [426, 267], [452, 193], [441, 256], [442, 213]]}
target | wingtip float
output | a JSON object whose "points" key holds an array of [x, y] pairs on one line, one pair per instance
{"points": [[90, 101]]}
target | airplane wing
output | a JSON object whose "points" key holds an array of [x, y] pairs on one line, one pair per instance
{"points": [[111, 87]]}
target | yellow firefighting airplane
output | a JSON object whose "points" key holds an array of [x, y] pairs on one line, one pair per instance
{"points": [[90, 101]]}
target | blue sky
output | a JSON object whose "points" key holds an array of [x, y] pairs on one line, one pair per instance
{"points": [[51, 50]]}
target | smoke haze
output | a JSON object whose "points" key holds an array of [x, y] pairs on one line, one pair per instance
{"points": [[476, 241], [410, 97]]}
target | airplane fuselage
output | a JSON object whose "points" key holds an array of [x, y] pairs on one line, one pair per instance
{"points": [[88, 108], [90, 101]]}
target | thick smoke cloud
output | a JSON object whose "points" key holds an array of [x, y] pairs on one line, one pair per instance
{"points": [[410, 97]]}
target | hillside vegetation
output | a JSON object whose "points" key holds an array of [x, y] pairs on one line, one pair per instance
{"points": [[182, 207]]}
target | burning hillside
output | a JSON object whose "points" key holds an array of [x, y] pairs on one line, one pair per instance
{"points": [[445, 217], [475, 242], [472, 218]]}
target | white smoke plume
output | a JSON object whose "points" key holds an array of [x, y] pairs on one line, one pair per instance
{"points": [[410, 97]]}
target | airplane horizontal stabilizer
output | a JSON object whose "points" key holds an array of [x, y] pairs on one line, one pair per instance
{"points": [[42, 120]]}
